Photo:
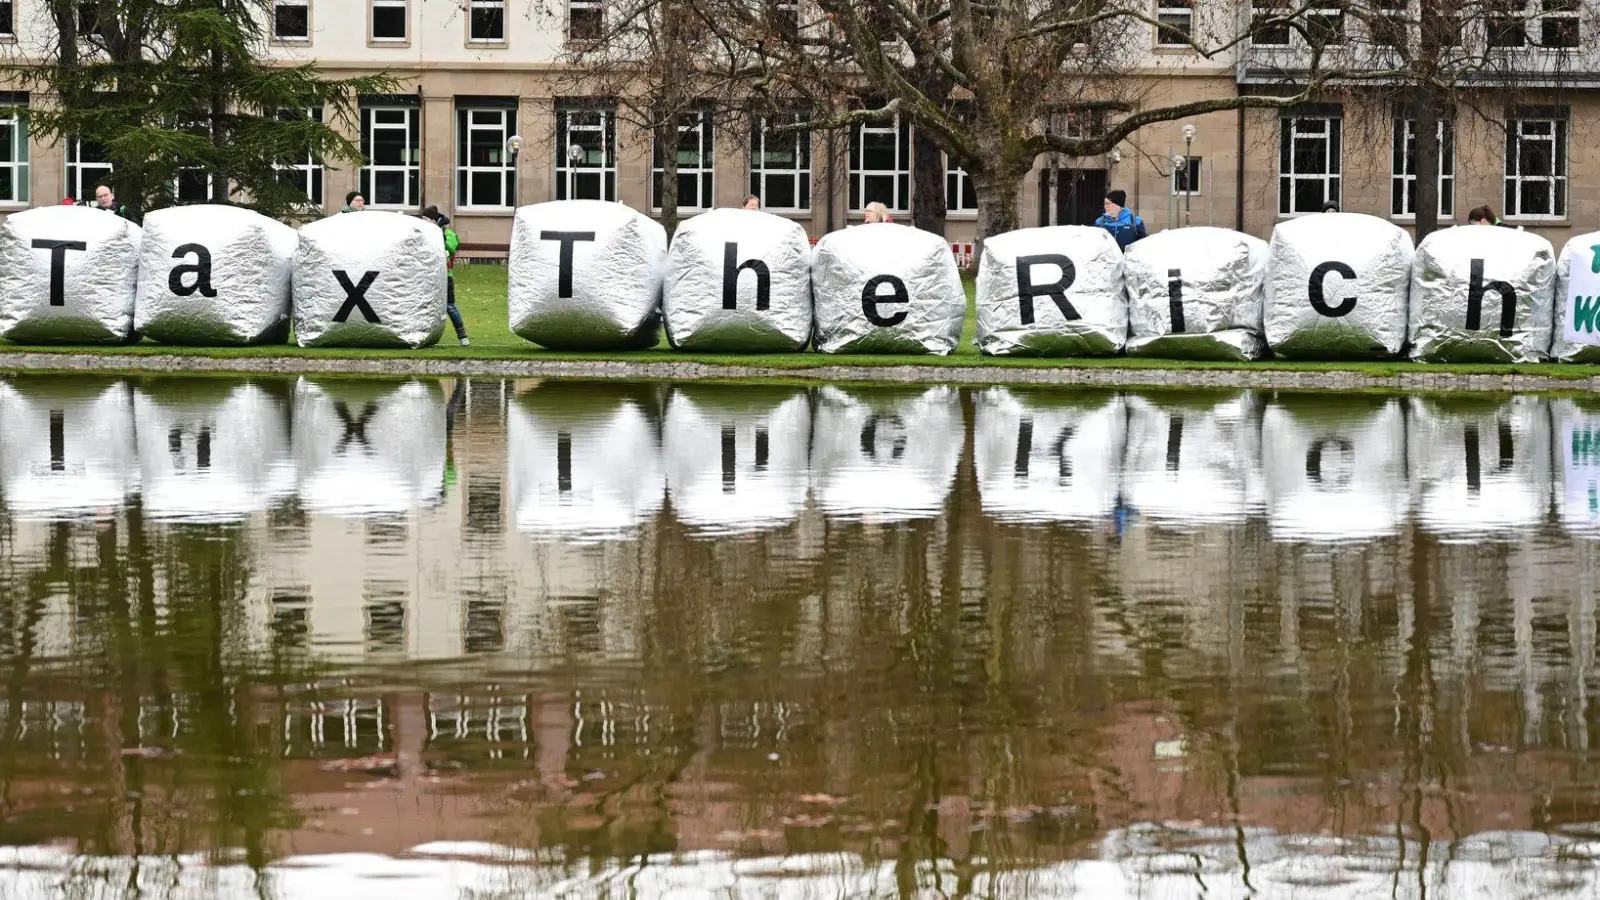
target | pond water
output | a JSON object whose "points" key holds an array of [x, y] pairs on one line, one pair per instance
{"points": [[447, 639]]}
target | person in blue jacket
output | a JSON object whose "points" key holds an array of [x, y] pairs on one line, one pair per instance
{"points": [[1120, 221]]}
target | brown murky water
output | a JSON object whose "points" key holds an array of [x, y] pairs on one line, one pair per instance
{"points": [[364, 639]]}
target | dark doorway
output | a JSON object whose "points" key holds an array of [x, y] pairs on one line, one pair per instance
{"points": [[1080, 196]]}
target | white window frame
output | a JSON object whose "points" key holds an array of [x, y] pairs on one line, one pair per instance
{"points": [[598, 5], [76, 166], [1570, 14], [800, 173], [1194, 179], [19, 164], [568, 173], [1175, 9], [1401, 180], [10, 34], [372, 21], [291, 39], [474, 6], [699, 123], [901, 176], [370, 126], [1560, 144], [316, 188], [177, 186], [1516, 12], [466, 118], [1288, 180], [956, 180]]}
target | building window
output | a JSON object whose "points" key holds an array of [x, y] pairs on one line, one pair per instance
{"points": [[484, 175], [1308, 164], [586, 153], [303, 172], [1536, 168], [390, 141], [880, 164], [193, 185], [1325, 26], [1403, 189], [291, 20], [87, 167], [1177, 22], [8, 19], [1388, 24], [783, 17], [1504, 23], [695, 163], [13, 159], [585, 20], [486, 21], [1186, 178], [959, 194], [780, 166], [389, 20], [1264, 30], [1558, 26]]}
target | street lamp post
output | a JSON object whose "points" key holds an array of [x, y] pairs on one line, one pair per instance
{"points": [[513, 147], [1188, 182]]}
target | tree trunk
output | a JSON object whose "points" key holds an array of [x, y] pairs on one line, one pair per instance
{"points": [[997, 203], [1427, 135], [667, 145], [928, 202]]}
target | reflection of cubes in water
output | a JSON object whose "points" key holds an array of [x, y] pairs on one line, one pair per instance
{"points": [[886, 454], [1335, 465], [1049, 455], [583, 460], [369, 448], [1576, 429], [1193, 456], [1480, 464], [66, 446], [737, 456], [211, 450]]}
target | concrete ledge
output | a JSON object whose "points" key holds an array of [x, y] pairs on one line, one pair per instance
{"points": [[1245, 376]]}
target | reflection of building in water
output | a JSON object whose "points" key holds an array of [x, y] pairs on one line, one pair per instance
{"points": [[1479, 466], [885, 454], [212, 450], [737, 456], [66, 446], [1049, 455], [1336, 467], [1193, 457]]}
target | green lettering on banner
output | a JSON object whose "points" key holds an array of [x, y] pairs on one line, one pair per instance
{"points": [[1585, 447], [1584, 310], [1594, 259]]}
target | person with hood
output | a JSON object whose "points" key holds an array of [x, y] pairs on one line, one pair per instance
{"points": [[452, 243], [1120, 221], [354, 202]]}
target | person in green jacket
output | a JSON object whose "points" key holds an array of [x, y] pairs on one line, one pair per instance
{"points": [[452, 243]]}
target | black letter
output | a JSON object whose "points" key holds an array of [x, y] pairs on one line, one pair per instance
{"points": [[567, 239], [201, 269], [563, 463], [1174, 443], [870, 300], [1175, 298], [1057, 290], [731, 267], [1024, 448], [58, 266], [58, 440], [355, 427], [355, 297], [1315, 287], [1475, 291], [897, 436], [730, 458]]}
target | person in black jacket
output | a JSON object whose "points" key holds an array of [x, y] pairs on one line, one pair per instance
{"points": [[106, 200]]}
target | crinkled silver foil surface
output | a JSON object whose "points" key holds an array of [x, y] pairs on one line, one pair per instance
{"points": [[886, 288], [369, 448], [1078, 313], [1355, 306], [1196, 293], [715, 267], [584, 465], [1479, 469], [92, 301], [737, 457], [886, 455], [1459, 311], [66, 447], [1046, 455], [212, 450], [608, 297], [401, 261], [214, 276], [1582, 251], [1336, 467]]}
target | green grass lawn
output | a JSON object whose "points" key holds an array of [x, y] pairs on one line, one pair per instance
{"points": [[481, 295]]}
